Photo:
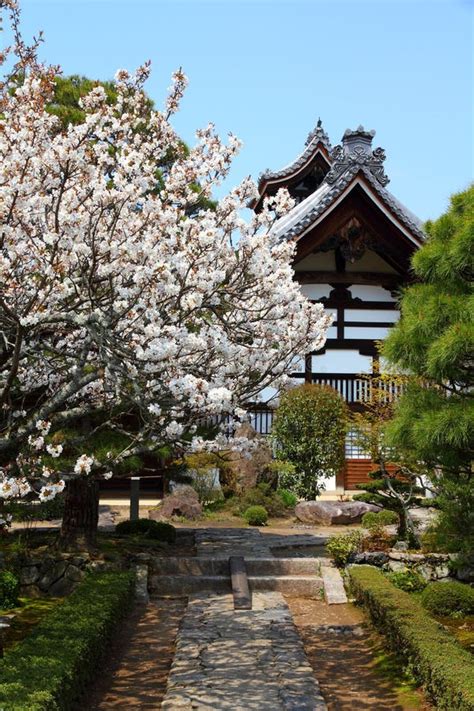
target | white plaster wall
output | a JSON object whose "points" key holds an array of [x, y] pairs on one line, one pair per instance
{"points": [[316, 291], [341, 361], [370, 315], [365, 332], [370, 293], [370, 262]]}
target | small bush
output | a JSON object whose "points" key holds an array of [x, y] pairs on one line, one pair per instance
{"points": [[156, 530], [407, 580], [379, 518], [432, 654], [377, 540], [449, 598], [9, 586], [289, 499], [55, 664], [342, 546], [262, 495], [256, 516]]}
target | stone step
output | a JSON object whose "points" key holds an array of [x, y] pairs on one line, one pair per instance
{"points": [[334, 591], [220, 566], [301, 585], [179, 585]]}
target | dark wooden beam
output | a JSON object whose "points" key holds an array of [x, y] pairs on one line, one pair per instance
{"points": [[391, 281]]}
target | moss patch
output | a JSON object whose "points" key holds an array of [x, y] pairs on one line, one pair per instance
{"points": [[26, 617]]}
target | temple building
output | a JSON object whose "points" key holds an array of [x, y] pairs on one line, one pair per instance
{"points": [[354, 242]]}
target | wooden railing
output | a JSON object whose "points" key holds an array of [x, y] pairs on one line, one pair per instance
{"points": [[359, 388], [353, 388]]}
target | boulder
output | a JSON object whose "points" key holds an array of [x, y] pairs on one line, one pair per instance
{"points": [[377, 558], [466, 574], [29, 575], [184, 502], [330, 513], [248, 469]]}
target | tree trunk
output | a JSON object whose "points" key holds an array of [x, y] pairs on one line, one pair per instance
{"points": [[81, 514]]}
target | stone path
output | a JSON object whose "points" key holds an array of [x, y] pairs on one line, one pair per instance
{"points": [[224, 542], [247, 660]]}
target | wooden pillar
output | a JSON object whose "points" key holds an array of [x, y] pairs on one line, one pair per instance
{"points": [[134, 498]]}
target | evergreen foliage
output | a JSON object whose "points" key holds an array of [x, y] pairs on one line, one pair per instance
{"points": [[448, 598], [434, 340], [309, 432]]}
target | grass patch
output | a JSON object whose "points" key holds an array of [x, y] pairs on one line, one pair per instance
{"points": [[390, 667]]}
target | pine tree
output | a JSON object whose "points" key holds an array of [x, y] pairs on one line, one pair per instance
{"points": [[434, 340]]}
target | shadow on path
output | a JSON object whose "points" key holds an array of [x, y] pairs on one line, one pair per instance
{"points": [[135, 674]]}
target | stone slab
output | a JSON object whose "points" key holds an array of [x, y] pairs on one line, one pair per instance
{"points": [[334, 591]]}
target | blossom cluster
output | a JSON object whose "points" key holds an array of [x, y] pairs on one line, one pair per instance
{"points": [[118, 291]]}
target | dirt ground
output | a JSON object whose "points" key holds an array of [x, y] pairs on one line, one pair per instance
{"points": [[348, 667], [136, 670]]}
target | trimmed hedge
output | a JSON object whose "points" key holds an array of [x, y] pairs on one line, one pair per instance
{"points": [[51, 667], [433, 655]]}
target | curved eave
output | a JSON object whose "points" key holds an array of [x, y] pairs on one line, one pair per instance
{"points": [[292, 172], [309, 213]]}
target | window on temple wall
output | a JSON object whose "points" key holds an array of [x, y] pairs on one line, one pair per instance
{"points": [[353, 448]]}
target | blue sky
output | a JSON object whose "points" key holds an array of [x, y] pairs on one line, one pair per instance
{"points": [[267, 69]]}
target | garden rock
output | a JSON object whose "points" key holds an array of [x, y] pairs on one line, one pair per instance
{"points": [[29, 575], [61, 587], [248, 470], [401, 546], [376, 558], [466, 574], [330, 513], [183, 502], [431, 566], [51, 574]]}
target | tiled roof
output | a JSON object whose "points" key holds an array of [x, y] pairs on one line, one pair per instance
{"points": [[316, 136], [349, 160]]}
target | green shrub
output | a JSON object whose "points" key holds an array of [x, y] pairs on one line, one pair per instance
{"points": [[38, 511], [342, 546], [262, 495], [289, 499], [407, 580], [157, 530], [51, 668], [379, 518], [448, 598], [433, 655], [256, 516], [377, 539], [9, 586]]}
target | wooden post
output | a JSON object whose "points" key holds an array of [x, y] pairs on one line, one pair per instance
{"points": [[134, 498]]}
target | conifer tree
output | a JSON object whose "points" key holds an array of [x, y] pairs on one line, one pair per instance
{"points": [[434, 340]]}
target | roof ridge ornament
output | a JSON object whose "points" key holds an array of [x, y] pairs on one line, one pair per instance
{"points": [[318, 134], [356, 152]]}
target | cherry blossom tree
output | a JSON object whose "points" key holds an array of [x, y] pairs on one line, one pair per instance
{"points": [[122, 306]]}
